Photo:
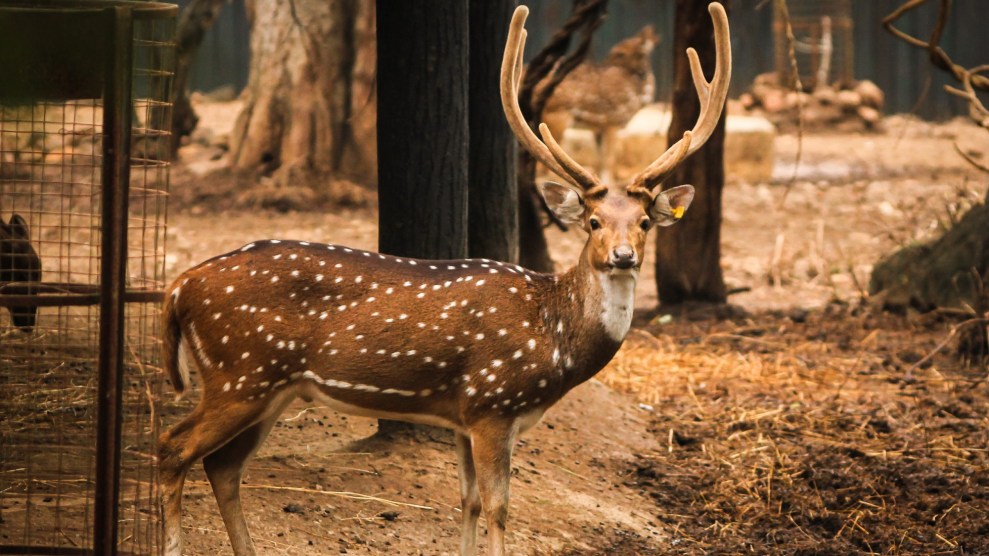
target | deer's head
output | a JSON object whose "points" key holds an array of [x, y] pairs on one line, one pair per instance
{"points": [[634, 52], [21, 265], [617, 217]]}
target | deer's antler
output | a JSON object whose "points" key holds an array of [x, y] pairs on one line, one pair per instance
{"points": [[712, 95], [549, 152]]}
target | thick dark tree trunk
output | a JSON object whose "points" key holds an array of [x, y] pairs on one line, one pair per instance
{"points": [[688, 255], [197, 18], [492, 221], [422, 131], [422, 128], [533, 248]]}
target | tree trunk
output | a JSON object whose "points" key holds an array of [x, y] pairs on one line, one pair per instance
{"points": [[938, 273], [492, 221], [295, 122], [533, 248], [422, 132], [688, 255], [360, 151], [197, 18]]}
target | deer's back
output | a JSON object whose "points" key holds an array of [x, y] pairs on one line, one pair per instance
{"points": [[368, 328]]}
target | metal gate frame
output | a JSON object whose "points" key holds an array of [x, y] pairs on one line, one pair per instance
{"points": [[113, 37]]}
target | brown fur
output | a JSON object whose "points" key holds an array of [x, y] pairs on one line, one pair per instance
{"points": [[607, 95], [171, 333]]}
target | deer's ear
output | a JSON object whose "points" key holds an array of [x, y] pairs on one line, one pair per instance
{"points": [[648, 34], [668, 206], [18, 227], [566, 202]]}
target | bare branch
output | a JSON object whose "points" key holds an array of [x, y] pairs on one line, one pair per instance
{"points": [[939, 57]]}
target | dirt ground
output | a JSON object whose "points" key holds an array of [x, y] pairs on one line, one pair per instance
{"points": [[800, 421]]}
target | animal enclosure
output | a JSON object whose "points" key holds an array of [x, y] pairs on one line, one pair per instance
{"points": [[84, 113]]}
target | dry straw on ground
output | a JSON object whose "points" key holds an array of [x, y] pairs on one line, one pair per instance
{"points": [[802, 437]]}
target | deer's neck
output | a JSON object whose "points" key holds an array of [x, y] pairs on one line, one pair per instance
{"points": [[590, 314]]}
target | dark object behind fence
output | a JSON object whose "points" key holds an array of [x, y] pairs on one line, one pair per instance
{"points": [[84, 114]]}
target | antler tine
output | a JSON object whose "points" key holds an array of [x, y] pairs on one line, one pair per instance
{"points": [[581, 174], [712, 95], [511, 76]]}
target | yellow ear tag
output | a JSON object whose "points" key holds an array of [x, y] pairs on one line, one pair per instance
{"points": [[678, 212]]}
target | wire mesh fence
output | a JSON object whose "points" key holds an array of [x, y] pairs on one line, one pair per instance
{"points": [[53, 183]]}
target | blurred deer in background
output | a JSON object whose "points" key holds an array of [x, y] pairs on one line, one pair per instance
{"points": [[603, 97], [20, 269], [478, 346]]}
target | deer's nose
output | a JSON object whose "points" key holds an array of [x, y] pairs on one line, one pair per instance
{"points": [[623, 257]]}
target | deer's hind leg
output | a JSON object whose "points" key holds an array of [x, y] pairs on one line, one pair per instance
{"points": [[225, 468], [208, 428]]}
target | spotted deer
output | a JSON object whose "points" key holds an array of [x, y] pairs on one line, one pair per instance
{"points": [[603, 97], [478, 346]]}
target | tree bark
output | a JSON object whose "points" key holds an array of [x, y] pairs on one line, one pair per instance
{"points": [[938, 273], [688, 255], [422, 128], [533, 248], [197, 18], [492, 214], [422, 132], [295, 123]]}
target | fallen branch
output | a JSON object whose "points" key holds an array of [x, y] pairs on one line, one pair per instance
{"points": [[944, 343], [337, 493]]}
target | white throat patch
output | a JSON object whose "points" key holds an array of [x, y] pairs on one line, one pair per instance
{"points": [[617, 303]]}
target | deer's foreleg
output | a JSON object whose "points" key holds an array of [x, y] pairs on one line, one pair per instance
{"points": [[492, 446], [470, 498]]}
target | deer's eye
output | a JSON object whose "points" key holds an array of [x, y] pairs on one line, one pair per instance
{"points": [[645, 224], [595, 224]]}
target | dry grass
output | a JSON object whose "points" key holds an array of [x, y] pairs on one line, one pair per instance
{"points": [[801, 437]]}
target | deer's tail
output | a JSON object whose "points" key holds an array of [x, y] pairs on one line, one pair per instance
{"points": [[173, 353]]}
